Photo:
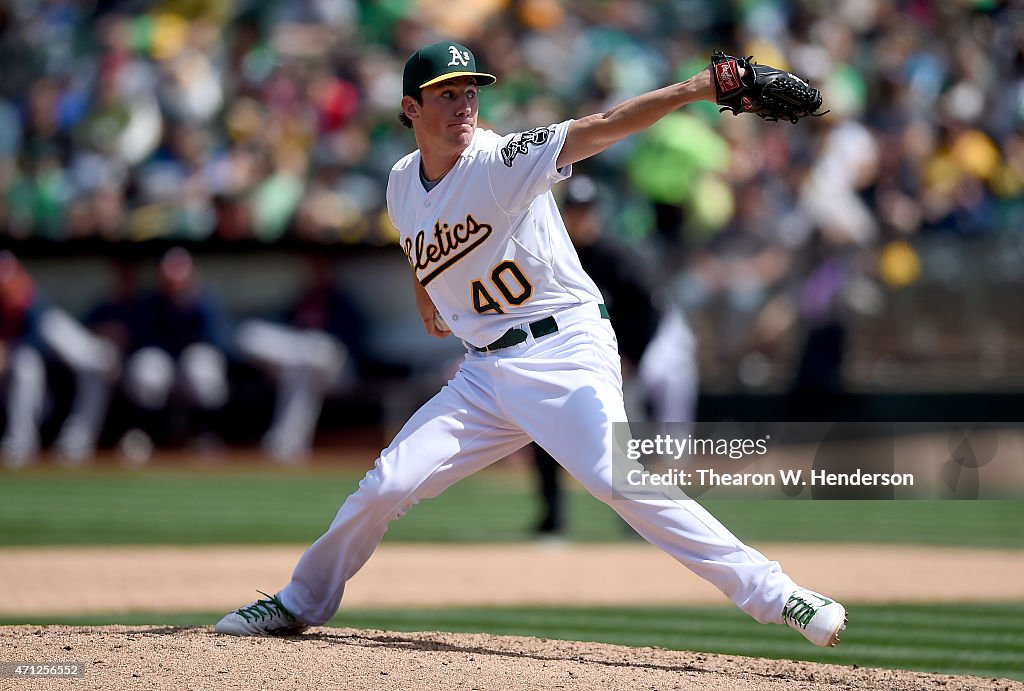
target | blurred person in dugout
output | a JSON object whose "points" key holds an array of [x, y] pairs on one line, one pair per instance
{"points": [[176, 375], [656, 345], [310, 352], [33, 332]]}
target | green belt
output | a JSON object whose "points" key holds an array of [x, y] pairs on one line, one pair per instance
{"points": [[541, 327]]}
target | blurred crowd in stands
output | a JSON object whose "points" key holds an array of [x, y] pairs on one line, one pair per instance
{"points": [[274, 122], [135, 120]]}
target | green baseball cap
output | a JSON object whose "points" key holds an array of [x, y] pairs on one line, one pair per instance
{"points": [[440, 61]]}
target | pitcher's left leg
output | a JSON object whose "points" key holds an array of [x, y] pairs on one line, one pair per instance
{"points": [[571, 416]]}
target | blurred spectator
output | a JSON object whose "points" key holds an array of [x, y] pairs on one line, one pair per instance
{"points": [[117, 316], [310, 353], [114, 320], [818, 381], [177, 372], [32, 331], [22, 365]]}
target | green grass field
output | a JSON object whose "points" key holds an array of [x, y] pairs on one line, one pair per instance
{"points": [[979, 639], [166, 505]]}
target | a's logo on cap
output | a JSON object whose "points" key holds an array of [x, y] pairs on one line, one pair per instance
{"points": [[459, 57]]}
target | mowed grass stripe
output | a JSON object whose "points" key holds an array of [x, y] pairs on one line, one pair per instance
{"points": [[990, 523], [1001, 642], [178, 505], [954, 624], [205, 507]]}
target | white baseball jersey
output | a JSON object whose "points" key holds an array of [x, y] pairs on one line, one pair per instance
{"points": [[487, 242]]}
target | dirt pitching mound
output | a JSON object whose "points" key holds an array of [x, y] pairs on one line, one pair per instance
{"points": [[160, 658]]}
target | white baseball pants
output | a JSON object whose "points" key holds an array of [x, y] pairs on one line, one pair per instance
{"points": [[562, 390]]}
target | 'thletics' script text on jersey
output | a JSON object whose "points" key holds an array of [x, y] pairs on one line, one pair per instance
{"points": [[458, 240]]}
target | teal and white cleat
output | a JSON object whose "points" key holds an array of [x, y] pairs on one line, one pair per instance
{"points": [[266, 617], [815, 616]]}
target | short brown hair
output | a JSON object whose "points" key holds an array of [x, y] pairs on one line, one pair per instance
{"points": [[402, 117]]}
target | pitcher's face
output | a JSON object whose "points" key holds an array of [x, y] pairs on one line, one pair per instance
{"points": [[448, 116]]}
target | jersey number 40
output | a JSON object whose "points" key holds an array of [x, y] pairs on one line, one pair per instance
{"points": [[502, 273]]}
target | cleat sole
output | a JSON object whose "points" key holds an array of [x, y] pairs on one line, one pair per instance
{"points": [[834, 640]]}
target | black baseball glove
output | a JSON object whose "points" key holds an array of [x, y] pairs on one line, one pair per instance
{"points": [[765, 91]]}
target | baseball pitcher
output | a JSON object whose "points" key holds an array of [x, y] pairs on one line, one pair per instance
{"points": [[492, 265]]}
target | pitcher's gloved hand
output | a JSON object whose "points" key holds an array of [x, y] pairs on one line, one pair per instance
{"points": [[763, 90]]}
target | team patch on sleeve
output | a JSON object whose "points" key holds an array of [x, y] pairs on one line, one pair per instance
{"points": [[520, 143]]}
